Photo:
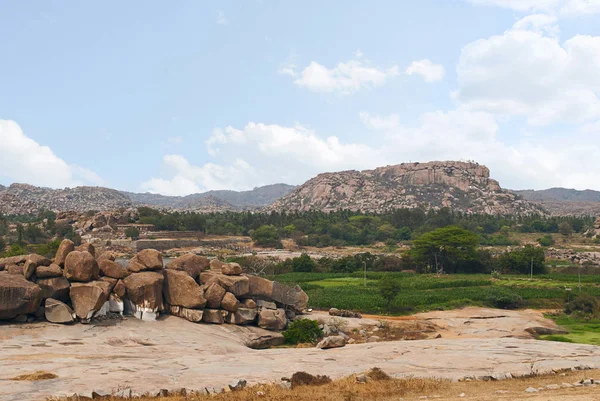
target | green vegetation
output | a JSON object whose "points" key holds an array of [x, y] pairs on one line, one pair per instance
{"points": [[389, 290], [302, 331], [132, 232], [446, 249], [581, 330]]}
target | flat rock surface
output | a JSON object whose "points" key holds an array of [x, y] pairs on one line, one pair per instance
{"points": [[173, 353]]}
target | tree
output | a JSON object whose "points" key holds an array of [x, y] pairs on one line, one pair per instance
{"points": [[2, 244], [303, 263], [521, 260], [445, 248], [132, 232], [20, 231], [266, 236], [33, 233], [389, 290], [565, 229]]}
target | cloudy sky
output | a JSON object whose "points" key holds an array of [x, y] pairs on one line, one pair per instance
{"points": [[187, 96]]}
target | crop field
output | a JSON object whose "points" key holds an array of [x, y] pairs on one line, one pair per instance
{"points": [[423, 292]]}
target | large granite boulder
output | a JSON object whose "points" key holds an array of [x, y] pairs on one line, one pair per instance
{"points": [[66, 246], [119, 289], [231, 269], [242, 316], [230, 302], [259, 287], [110, 268], [54, 287], [148, 259], [180, 289], [214, 294], [237, 285], [215, 316], [257, 338], [32, 262], [58, 312], [289, 296], [193, 315], [18, 296], [216, 264], [12, 260], [53, 270], [332, 342], [144, 294], [81, 266], [87, 299], [106, 255], [272, 319], [192, 264], [86, 247]]}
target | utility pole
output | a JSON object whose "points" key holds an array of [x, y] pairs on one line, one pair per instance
{"points": [[365, 270], [531, 268]]}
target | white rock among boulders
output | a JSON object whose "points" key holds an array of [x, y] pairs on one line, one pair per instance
{"points": [[272, 319], [56, 311], [87, 299], [144, 294], [332, 342]]}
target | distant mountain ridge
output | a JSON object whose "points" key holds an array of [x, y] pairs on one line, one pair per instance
{"points": [[460, 186], [565, 201], [25, 199]]}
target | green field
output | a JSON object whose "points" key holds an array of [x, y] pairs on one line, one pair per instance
{"points": [[580, 331], [423, 292]]}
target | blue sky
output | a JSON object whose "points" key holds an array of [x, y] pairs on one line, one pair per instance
{"points": [[187, 96]]}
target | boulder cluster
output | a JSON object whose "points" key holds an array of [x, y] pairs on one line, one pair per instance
{"points": [[78, 285]]}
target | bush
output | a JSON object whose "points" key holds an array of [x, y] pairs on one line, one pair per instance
{"points": [[267, 236], [582, 305], [389, 290], [546, 240], [15, 250], [303, 264], [302, 331], [520, 260], [504, 299], [132, 232]]}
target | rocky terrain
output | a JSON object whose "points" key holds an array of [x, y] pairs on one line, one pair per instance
{"points": [[25, 199], [461, 186], [564, 202]]}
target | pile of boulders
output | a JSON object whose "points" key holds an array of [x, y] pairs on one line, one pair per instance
{"points": [[78, 285]]}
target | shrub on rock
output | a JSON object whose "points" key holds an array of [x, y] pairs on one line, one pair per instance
{"points": [[302, 331]]}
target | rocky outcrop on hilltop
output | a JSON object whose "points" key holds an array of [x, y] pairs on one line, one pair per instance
{"points": [[78, 286], [25, 199], [460, 186]]}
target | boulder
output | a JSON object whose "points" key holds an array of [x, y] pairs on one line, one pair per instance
{"points": [[259, 287], [230, 302], [110, 268], [106, 255], [15, 269], [290, 296], [215, 316], [144, 291], [180, 289], [53, 270], [116, 304], [29, 269], [66, 246], [231, 269], [216, 264], [332, 342], [540, 331], [58, 312], [262, 304], [214, 294], [193, 315], [18, 296], [39, 260], [12, 260], [87, 299], [54, 287], [272, 319], [248, 303], [119, 289], [237, 285], [148, 259], [242, 316], [192, 264], [87, 247], [262, 339], [107, 283], [81, 266]]}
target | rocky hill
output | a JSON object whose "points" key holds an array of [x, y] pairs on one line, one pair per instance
{"points": [[461, 186], [564, 201], [25, 199]]}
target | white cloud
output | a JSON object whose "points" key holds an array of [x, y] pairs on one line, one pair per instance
{"points": [[288, 67], [562, 7], [429, 71], [221, 18], [345, 78], [25, 160], [524, 72]]}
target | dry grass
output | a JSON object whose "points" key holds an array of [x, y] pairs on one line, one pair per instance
{"points": [[35, 376], [382, 388]]}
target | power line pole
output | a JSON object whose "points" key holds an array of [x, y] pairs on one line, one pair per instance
{"points": [[531, 268], [365, 270]]}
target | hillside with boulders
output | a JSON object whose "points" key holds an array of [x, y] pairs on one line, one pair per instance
{"points": [[564, 201], [460, 186]]}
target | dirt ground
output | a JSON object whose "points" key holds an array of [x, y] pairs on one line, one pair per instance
{"points": [[173, 353]]}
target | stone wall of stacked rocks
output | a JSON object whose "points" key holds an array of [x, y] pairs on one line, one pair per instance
{"points": [[78, 285]]}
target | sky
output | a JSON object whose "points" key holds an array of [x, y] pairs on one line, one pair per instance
{"points": [[189, 96]]}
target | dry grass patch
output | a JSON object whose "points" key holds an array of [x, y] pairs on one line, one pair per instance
{"points": [[35, 376]]}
